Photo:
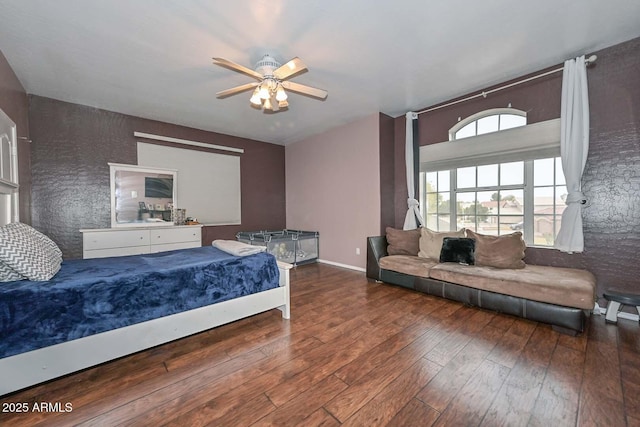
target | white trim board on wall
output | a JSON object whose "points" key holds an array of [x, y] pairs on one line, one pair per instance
{"points": [[338, 264], [187, 142], [208, 183]]}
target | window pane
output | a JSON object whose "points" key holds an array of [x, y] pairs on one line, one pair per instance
{"points": [[465, 203], [488, 224], [488, 176], [443, 203], [543, 230], [512, 173], [543, 200], [432, 222], [511, 211], [483, 210], [543, 172], [468, 130], [487, 124], [511, 202], [432, 181], [559, 172], [466, 198], [443, 181], [444, 222], [508, 121], [432, 203], [511, 224], [466, 177]]}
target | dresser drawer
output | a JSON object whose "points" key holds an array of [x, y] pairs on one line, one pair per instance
{"points": [[103, 253], [176, 235], [115, 239], [174, 246]]}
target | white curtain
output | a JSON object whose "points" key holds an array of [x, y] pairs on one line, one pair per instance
{"points": [[574, 147], [413, 217]]}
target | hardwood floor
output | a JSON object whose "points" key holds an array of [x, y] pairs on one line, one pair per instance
{"points": [[358, 353]]}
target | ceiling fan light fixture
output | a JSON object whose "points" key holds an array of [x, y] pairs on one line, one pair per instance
{"points": [[283, 104], [264, 91], [255, 98], [281, 95], [267, 104]]}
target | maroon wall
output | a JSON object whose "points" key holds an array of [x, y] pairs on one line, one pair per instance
{"points": [[70, 176], [14, 102], [611, 179], [387, 171]]}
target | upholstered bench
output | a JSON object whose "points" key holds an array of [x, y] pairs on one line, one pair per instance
{"points": [[562, 297]]}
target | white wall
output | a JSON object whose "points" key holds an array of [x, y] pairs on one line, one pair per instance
{"points": [[333, 187]]}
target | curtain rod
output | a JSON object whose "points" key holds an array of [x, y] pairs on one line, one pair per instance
{"points": [[589, 60]]}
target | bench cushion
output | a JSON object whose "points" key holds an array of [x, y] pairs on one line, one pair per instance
{"points": [[561, 286], [411, 265]]}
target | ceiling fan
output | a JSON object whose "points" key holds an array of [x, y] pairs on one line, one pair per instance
{"points": [[272, 79]]}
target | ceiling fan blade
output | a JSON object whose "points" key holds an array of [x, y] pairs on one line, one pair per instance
{"points": [[237, 89], [305, 90], [237, 67], [290, 69]]}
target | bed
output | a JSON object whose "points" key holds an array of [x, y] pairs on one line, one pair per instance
{"points": [[96, 310]]}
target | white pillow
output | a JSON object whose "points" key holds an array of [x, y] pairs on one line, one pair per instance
{"points": [[431, 241], [29, 252]]}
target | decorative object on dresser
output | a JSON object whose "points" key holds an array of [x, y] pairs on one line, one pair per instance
{"points": [[108, 242]]}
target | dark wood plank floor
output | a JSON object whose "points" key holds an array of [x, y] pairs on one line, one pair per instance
{"points": [[358, 353]]}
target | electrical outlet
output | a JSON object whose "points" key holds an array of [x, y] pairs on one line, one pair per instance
{"points": [[357, 251]]}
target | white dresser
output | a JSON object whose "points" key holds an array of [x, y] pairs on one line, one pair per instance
{"points": [[108, 242]]}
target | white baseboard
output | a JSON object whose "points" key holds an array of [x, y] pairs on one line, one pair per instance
{"points": [[337, 264], [622, 314]]}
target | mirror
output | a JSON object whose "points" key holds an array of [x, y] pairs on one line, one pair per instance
{"points": [[142, 196]]}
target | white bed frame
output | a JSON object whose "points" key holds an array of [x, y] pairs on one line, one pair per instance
{"points": [[33, 367]]}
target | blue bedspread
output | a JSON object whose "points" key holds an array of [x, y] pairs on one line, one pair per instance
{"points": [[90, 296]]}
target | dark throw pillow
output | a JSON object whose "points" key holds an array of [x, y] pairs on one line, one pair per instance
{"points": [[458, 249]]}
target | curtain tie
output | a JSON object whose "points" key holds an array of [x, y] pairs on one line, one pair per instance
{"points": [[412, 203], [576, 197]]}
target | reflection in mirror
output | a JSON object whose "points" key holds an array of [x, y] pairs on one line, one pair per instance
{"points": [[141, 196]]}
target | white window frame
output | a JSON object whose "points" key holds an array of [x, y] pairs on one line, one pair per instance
{"points": [[527, 188], [9, 184], [525, 143], [481, 115]]}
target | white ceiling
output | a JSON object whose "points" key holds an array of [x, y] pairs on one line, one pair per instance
{"points": [[152, 58]]}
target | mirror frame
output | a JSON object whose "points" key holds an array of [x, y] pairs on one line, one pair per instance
{"points": [[115, 167]]}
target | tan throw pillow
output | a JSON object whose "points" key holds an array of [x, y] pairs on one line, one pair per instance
{"points": [[402, 242], [499, 251], [431, 242]]}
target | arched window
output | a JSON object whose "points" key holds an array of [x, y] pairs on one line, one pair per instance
{"points": [[502, 189], [488, 121]]}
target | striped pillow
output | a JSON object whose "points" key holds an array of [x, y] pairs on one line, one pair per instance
{"points": [[29, 252], [8, 274]]}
